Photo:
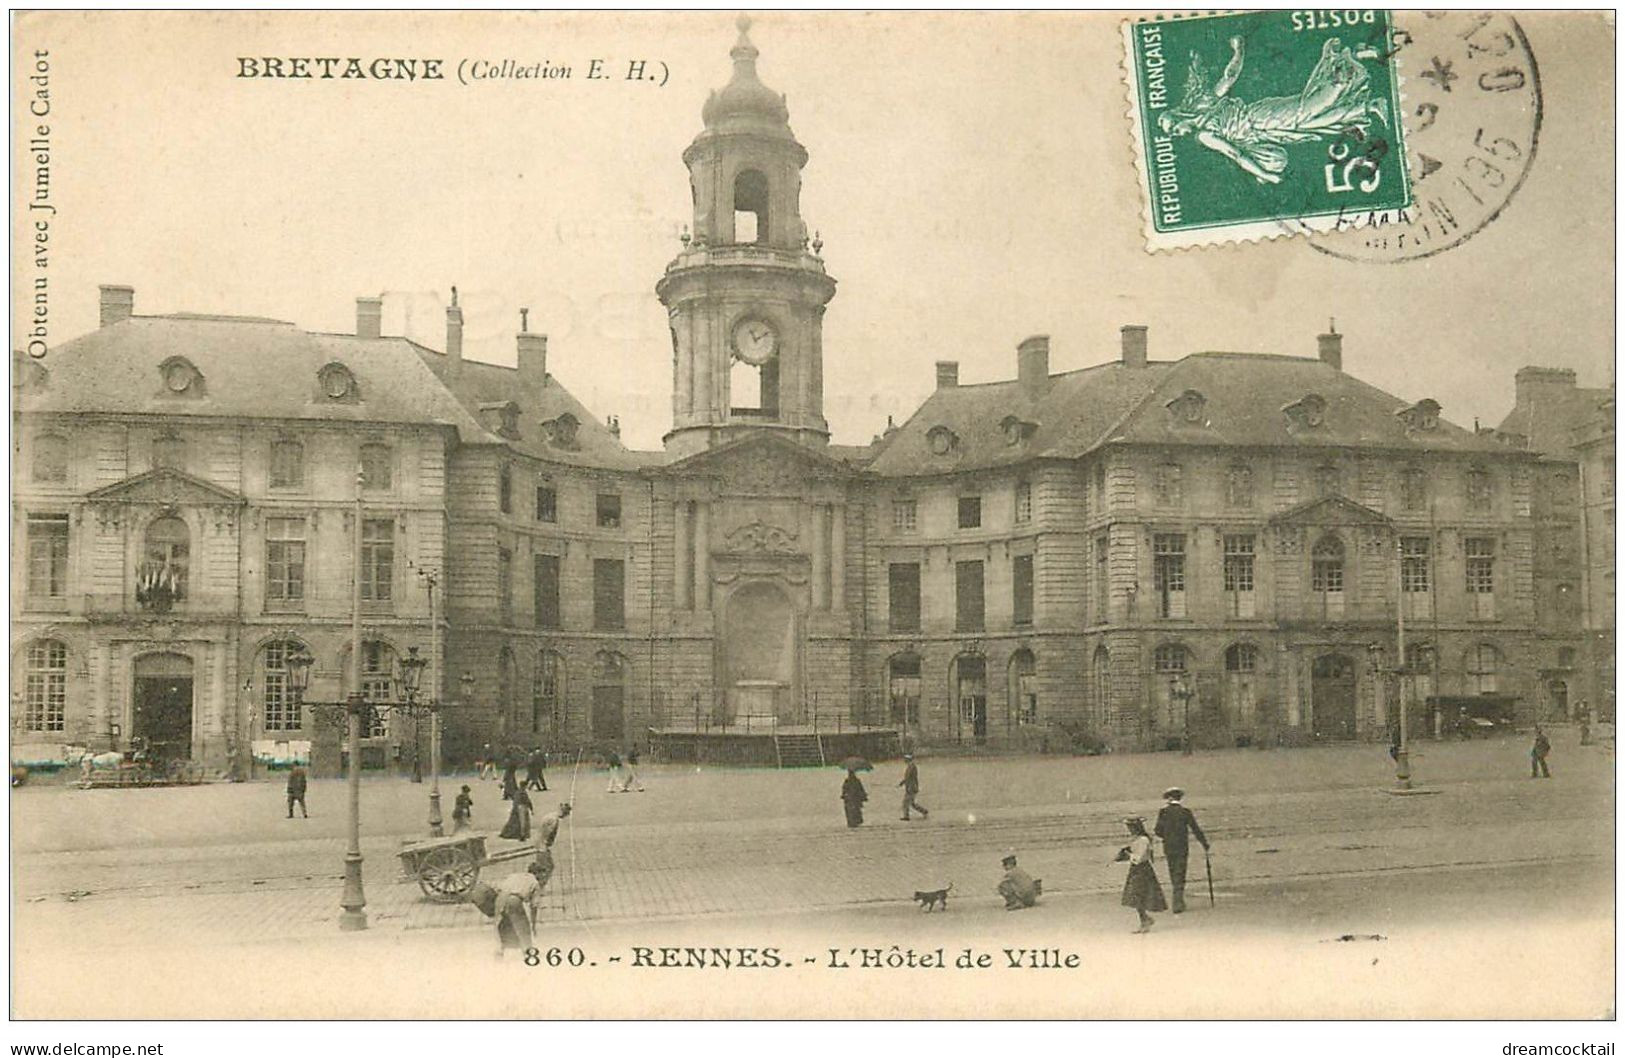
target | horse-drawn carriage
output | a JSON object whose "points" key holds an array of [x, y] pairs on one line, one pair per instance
{"points": [[143, 765]]}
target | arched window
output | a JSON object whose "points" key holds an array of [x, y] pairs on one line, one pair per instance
{"points": [[903, 688], [45, 701], [1240, 687], [1326, 575], [1169, 663], [1421, 661], [1483, 669], [50, 458], [1101, 689], [162, 579], [278, 710], [547, 698], [970, 689], [1023, 689], [750, 207], [377, 683], [609, 671], [1170, 658]]}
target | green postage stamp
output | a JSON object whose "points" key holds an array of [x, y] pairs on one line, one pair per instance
{"points": [[1264, 123]]}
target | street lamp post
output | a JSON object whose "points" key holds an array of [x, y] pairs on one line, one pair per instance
{"points": [[354, 707], [1181, 689], [431, 578]]}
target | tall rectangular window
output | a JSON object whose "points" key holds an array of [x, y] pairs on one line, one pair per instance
{"points": [[1413, 487], [287, 464], [1238, 486], [608, 594], [378, 560], [547, 591], [284, 560], [903, 515], [505, 583], [1481, 576], [505, 490], [45, 701], [48, 556], [1024, 502], [903, 596], [1480, 490], [1021, 589], [970, 607], [547, 504], [1103, 583], [609, 510], [1416, 575], [50, 458], [1168, 573], [1168, 485], [1239, 549], [377, 467], [970, 512]]}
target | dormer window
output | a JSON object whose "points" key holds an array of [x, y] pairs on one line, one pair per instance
{"points": [[337, 383], [561, 432], [1423, 415], [1188, 407], [180, 377], [1017, 430], [941, 440], [502, 418], [1308, 412]]}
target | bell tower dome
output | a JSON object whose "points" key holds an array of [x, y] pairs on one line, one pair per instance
{"points": [[746, 294]]}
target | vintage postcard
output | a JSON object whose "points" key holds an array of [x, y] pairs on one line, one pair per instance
{"points": [[735, 516]]}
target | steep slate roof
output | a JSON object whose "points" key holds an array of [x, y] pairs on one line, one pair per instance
{"points": [[1072, 416], [250, 367], [1245, 394], [1081, 410], [1549, 424], [478, 383]]}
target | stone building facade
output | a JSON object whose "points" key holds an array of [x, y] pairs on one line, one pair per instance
{"points": [[1130, 554]]}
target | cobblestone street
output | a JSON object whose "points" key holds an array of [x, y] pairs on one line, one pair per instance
{"points": [[212, 869]]}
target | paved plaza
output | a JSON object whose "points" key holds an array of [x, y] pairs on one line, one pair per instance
{"points": [[1308, 846]]}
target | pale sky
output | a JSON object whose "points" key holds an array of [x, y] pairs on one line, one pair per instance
{"points": [[971, 177]]}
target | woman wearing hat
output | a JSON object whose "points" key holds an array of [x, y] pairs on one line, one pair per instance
{"points": [[1141, 890]]}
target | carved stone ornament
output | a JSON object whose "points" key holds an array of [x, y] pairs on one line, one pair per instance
{"points": [[759, 536]]}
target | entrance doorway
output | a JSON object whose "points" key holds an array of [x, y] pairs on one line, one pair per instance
{"points": [[970, 678], [1557, 700], [163, 706], [1332, 698], [609, 698]]}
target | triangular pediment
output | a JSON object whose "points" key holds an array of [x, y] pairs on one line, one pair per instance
{"points": [[165, 487], [1330, 510], [762, 461]]}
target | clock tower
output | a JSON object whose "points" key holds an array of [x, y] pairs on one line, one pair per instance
{"points": [[746, 294]]}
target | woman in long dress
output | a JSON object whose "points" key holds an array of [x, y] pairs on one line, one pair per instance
{"points": [[853, 795], [1141, 890], [1336, 98]]}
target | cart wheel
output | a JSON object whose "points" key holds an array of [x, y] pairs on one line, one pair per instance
{"points": [[446, 874]]}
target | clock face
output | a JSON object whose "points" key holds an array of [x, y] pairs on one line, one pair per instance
{"points": [[755, 340]]}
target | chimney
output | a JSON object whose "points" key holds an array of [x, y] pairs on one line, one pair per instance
{"points": [[1134, 345], [1032, 365], [454, 334], [947, 374], [1532, 383], [1331, 348], [532, 353], [118, 304], [369, 317]]}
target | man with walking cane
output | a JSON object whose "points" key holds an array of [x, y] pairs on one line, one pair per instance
{"points": [[1175, 824]]}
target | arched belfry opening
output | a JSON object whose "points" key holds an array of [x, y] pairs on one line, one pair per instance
{"points": [[751, 223]]}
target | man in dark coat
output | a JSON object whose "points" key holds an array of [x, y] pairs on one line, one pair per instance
{"points": [[911, 788], [296, 791], [1537, 755], [1175, 824], [853, 795], [535, 779]]}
